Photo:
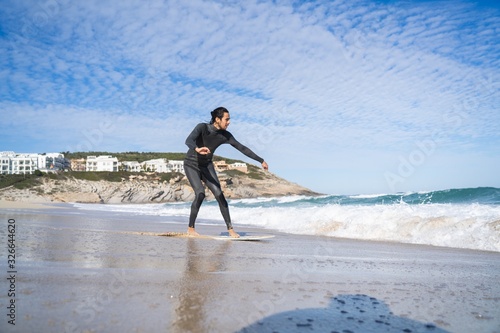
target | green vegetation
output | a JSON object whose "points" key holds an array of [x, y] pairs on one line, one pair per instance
{"points": [[234, 173], [255, 175], [18, 181], [254, 172], [30, 181], [228, 160], [113, 176], [96, 176], [169, 175]]}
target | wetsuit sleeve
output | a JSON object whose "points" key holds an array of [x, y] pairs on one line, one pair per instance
{"points": [[244, 149], [191, 139]]}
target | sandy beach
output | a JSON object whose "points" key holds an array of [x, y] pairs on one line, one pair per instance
{"points": [[86, 271], [5, 204]]}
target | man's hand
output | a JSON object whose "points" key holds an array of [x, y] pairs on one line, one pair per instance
{"points": [[202, 150], [265, 166]]}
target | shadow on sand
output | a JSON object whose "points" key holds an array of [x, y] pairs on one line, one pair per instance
{"points": [[345, 314]]}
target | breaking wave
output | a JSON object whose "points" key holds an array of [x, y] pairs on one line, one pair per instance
{"points": [[460, 218]]}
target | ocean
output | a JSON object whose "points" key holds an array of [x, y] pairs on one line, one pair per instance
{"points": [[459, 218]]}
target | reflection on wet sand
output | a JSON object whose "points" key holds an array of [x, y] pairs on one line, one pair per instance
{"points": [[199, 285]]}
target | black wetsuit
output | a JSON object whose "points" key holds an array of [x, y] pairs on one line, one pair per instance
{"points": [[200, 167]]}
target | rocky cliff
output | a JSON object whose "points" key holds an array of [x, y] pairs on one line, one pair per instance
{"points": [[149, 189]]}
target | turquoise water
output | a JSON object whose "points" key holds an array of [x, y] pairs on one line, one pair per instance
{"points": [[481, 195]]}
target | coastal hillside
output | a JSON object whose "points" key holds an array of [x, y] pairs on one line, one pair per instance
{"points": [[127, 187]]}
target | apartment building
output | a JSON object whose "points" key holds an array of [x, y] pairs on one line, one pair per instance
{"points": [[176, 166], [131, 166], [239, 166], [5, 166], [102, 163], [162, 165], [21, 163], [52, 162], [156, 165]]}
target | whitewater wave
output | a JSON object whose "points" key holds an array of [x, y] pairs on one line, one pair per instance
{"points": [[471, 226], [468, 218]]}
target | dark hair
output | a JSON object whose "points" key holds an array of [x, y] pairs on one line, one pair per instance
{"points": [[218, 113]]}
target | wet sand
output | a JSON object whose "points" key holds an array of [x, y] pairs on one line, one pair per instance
{"points": [[83, 271]]}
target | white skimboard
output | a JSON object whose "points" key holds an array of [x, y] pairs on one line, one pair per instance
{"points": [[243, 238]]}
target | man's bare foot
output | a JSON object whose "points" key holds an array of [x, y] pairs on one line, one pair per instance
{"points": [[233, 234], [192, 233]]}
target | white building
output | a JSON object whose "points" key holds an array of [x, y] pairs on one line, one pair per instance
{"points": [[16, 163], [52, 162], [102, 163], [5, 165], [176, 166], [238, 166], [157, 165], [162, 165], [131, 166], [24, 163]]}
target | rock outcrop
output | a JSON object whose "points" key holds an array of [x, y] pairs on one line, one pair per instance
{"points": [[139, 189]]}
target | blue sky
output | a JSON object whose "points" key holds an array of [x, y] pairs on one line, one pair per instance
{"points": [[340, 96]]}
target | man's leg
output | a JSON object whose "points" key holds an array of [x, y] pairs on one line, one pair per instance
{"points": [[194, 177], [213, 184]]}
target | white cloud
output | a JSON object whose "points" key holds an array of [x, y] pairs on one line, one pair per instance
{"points": [[322, 77]]}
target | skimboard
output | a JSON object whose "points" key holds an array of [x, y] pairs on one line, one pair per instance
{"points": [[243, 238]]}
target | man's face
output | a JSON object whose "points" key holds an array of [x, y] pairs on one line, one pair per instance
{"points": [[223, 122]]}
